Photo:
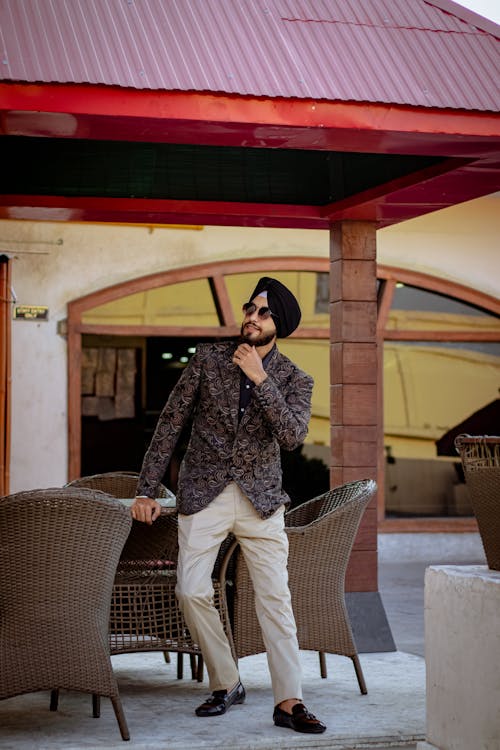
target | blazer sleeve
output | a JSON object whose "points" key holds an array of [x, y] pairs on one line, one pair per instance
{"points": [[173, 418], [286, 409]]}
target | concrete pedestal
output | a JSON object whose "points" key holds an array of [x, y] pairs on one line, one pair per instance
{"points": [[462, 655]]}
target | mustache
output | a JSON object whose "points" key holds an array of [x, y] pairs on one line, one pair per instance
{"points": [[255, 327], [262, 341]]}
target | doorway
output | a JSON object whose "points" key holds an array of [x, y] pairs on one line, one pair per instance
{"points": [[125, 384]]}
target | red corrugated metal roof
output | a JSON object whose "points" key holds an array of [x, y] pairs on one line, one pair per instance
{"points": [[390, 51]]}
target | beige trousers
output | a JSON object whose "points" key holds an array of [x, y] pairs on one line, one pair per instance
{"points": [[264, 544]]}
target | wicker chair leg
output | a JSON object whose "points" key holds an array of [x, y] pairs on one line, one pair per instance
{"points": [[96, 705], [120, 717], [54, 699], [192, 664], [199, 673], [359, 675], [180, 665], [322, 664], [166, 656]]}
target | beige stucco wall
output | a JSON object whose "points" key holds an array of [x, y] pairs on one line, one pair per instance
{"points": [[54, 263], [459, 244]]}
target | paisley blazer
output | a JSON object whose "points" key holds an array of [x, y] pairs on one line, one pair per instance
{"points": [[222, 449]]}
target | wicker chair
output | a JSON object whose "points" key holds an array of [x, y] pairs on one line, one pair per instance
{"points": [[480, 456], [145, 615], [321, 534], [58, 555], [157, 542]]}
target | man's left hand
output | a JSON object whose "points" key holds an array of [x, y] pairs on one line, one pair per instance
{"points": [[145, 509], [248, 359]]}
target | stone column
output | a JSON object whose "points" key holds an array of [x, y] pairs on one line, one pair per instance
{"points": [[355, 409]]}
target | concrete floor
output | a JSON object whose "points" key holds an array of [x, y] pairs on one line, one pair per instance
{"points": [[159, 708], [403, 559]]}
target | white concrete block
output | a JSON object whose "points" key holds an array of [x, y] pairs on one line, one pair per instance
{"points": [[462, 654]]}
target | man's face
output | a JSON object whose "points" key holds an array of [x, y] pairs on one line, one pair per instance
{"points": [[255, 329]]}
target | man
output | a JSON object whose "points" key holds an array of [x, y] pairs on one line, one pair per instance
{"points": [[247, 401]]}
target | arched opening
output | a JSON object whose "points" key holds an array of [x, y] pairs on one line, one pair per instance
{"points": [[436, 337]]}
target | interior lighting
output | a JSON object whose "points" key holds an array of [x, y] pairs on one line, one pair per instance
{"points": [[191, 350], [184, 359], [167, 355], [399, 285]]}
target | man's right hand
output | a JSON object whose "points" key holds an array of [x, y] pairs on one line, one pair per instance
{"points": [[145, 509]]}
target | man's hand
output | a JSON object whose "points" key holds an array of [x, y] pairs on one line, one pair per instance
{"points": [[145, 509], [249, 360]]}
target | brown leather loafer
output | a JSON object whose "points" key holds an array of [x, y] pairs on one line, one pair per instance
{"points": [[221, 700], [301, 720]]}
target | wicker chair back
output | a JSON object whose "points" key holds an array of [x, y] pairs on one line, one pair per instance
{"points": [[480, 456], [59, 552]]}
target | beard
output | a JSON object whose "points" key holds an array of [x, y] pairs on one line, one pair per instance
{"points": [[262, 340]]}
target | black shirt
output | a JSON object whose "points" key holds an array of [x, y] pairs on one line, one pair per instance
{"points": [[247, 386]]}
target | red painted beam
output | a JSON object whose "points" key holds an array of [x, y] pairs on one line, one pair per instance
{"points": [[111, 113], [386, 191], [469, 181], [158, 205], [156, 211]]}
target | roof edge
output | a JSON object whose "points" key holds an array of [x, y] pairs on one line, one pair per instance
{"points": [[465, 14]]}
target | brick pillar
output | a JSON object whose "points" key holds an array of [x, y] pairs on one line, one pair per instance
{"points": [[354, 375]]}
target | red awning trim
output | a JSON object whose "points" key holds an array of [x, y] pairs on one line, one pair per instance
{"points": [[228, 120]]}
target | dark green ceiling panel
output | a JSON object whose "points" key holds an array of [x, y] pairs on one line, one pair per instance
{"points": [[84, 168]]}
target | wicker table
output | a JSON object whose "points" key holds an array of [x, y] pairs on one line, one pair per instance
{"points": [[145, 615]]}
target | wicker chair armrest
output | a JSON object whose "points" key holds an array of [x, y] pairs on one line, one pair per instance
{"points": [[478, 451], [334, 501], [223, 568], [116, 483]]}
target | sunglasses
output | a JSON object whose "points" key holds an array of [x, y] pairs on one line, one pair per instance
{"points": [[263, 312]]}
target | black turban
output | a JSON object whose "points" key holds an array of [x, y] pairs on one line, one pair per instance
{"points": [[282, 303]]}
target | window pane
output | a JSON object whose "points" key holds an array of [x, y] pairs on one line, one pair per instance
{"points": [[322, 303], [428, 389], [415, 308], [189, 303]]}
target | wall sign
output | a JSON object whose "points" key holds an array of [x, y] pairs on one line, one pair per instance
{"points": [[31, 312]]}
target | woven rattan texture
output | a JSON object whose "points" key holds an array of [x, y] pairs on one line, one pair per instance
{"points": [[59, 552], [321, 534], [480, 456], [145, 614], [116, 483], [157, 542]]}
